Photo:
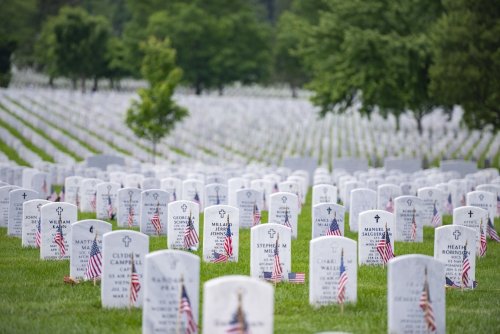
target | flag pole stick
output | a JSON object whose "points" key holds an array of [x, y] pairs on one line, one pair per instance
{"points": [[130, 287], [178, 323]]}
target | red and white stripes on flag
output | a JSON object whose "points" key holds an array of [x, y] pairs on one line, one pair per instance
{"points": [[185, 308], [491, 231], [384, 247], [190, 236], [413, 227], [483, 245], [94, 264], [38, 233], [436, 217], [426, 306], [155, 220], [130, 218], [59, 240], [343, 278], [93, 201], [256, 215], [390, 205], [277, 271], [135, 285], [465, 267]]}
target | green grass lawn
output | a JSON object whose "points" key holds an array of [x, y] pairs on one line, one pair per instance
{"points": [[34, 298]]}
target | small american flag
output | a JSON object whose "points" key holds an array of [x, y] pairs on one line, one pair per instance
{"points": [[190, 236], [277, 271], [59, 240], [185, 307], [384, 247], [44, 187], [275, 188], [111, 211], [61, 194], [296, 278], [174, 195], [465, 268], [462, 200], [287, 219], [334, 228], [450, 283], [238, 324], [390, 205], [155, 220], [483, 245], [256, 214], [498, 204], [135, 285], [436, 217], [218, 257], [426, 306], [130, 218], [77, 199], [217, 198], [449, 204], [94, 264], [196, 197], [228, 240], [413, 227], [38, 232], [491, 231], [342, 280], [93, 201]]}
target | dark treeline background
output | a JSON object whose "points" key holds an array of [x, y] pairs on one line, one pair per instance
{"points": [[392, 56]]}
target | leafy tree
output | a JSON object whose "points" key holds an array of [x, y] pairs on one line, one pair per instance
{"points": [[466, 67], [377, 53], [117, 66], [155, 114]]}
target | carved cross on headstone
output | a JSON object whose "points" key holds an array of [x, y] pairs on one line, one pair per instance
{"points": [[271, 232], [24, 195], [409, 202], [470, 213], [155, 196], [59, 211], [173, 264], [283, 199], [377, 217], [249, 194], [457, 234], [126, 240], [481, 197], [222, 213], [329, 210], [184, 207]]}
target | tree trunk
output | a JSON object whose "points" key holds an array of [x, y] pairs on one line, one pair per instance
{"points": [[294, 90], [51, 81], [198, 89], [83, 84], [74, 83], [96, 84], [398, 123], [418, 117], [221, 90]]}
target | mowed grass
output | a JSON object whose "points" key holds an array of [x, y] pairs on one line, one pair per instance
{"points": [[34, 298]]}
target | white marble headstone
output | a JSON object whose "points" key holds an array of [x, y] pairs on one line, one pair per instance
{"points": [[473, 217], [179, 213], [72, 189], [372, 228], [221, 222], [362, 199], [106, 200], [326, 256], [409, 225], [215, 194], [266, 188], [41, 183], [56, 220], [484, 200], [16, 199], [283, 209], [193, 190], [173, 186], [128, 207], [495, 190], [326, 217], [118, 249], [324, 193], [249, 202], [432, 200], [88, 195], [32, 222], [154, 209], [4, 204], [249, 300]]}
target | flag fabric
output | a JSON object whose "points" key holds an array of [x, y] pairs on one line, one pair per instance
{"points": [[275, 188], [196, 197], [491, 231], [390, 205], [384, 247], [190, 236], [228, 240], [256, 214], [53, 197], [44, 187], [135, 285], [185, 308], [413, 227], [174, 195], [334, 228], [426, 306], [238, 324], [465, 268], [483, 245], [296, 278], [449, 204], [287, 219], [130, 218], [450, 283], [436, 217], [498, 204], [218, 257], [462, 200], [77, 199], [94, 264], [342, 280], [217, 198], [59, 240], [111, 213], [155, 220], [93, 201], [277, 271], [61, 194], [38, 232]]}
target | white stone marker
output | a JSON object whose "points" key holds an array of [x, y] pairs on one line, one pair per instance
{"points": [[123, 255], [128, 207], [495, 190], [153, 212], [432, 200], [454, 245], [473, 217], [415, 284], [72, 190], [324, 193], [16, 199], [215, 194], [263, 246], [249, 202], [171, 278], [409, 226], [333, 271], [106, 200], [32, 219], [266, 188], [173, 186], [4, 204], [374, 246], [283, 209], [328, 219], [83, 235], [221, 234], [484, 200], [362, 199], [248, 303], [56, 230], [88, 195], [183, 216], [193, 190]]}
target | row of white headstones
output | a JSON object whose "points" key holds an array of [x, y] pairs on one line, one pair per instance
{"points": [[327, 253], [226, 127]]}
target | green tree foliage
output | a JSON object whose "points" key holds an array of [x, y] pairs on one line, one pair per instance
{"points": [[16, 34], [376, 52], [466, 68], [156, 113]]}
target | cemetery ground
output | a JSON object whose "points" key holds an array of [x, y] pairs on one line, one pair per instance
{"points": [[35, 299]]}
